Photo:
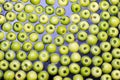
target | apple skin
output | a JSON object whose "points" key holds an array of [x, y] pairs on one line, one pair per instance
{"points": [[65, 20], [97, 60], [52, 69], [9, 75], [51, 48], [38, 66], [18, 7], [11, 36], [105, 46], [35, 2], [102, 15], [31, 75], [27, 46], [69, 37], [39, 9], [82, 35], [33, 18], [14, 0], [6, 27], [107, 57], [65, 60], [61, 30], [115, 63], [54, 20], [113, 10], [21, 55], [86, 61], [78, 77], [59, 40], [10, 16], [95, 8], [73, 2], [2, 34], [114, 21], [47, 39], [85, 71], [96, 72], [2, 19], [95, 50], [63, 50], [44, 56], [114, 2], [103, 25], [10, 55], [116, 53], [14, 65], [75, 18], [106, 76], [7, 45], [106, 68], [20, 75], [83, 25], [85, 14], [102, 36], [84, 3], [84, 48], [1, 74], [50, 28], [22, 17], [0, 9], [50, 2], [95, 18], [2, 1], [60, 11], [57, 77], [26, 65], [63, 2], [15, 46], [73, 47], [75, 7], [73, 28], [44, 19], [63, 71], [29, 8], [67, 78], [113, 32], [39, 28], [33, 55], [115, 42], [1, 55], [104, 7], [92, 40], [39, 46], [43, 75], [34, 37], [8, 6], [115, 74], [74, 68], [75, 57], [28, 27], [4, 65], [54, 58]]}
